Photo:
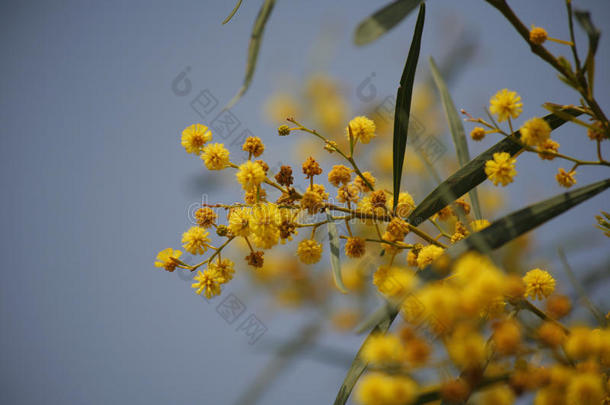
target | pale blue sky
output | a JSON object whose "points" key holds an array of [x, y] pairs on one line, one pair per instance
{"points": [[95, 181]]}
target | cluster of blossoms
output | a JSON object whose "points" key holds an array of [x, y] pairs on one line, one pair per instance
{"points": [[475, 322], [472, 321], [534, 136], [367, 210]]}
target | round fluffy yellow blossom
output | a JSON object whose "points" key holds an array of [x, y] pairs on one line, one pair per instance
{"points": [[309, 251], [483, 293], [585, 389], [167, 258], [507, 336], [565, 179], [427, 255], [539, 284], [339, 174], [477, 133], [538, 35], [207, 282], [312, 202], [265, 220], [319, 188], [362, 129], [382, 348], [467, 348], [397, 229], [501, 169], [506, 104], [535, 131], [205, 217], [558, 306], [417, 352], [394, 282], [353, 277], [195, 240], [581, 343], [547, 149], [366, 206], [194, 137], [404, 390], [224, 269], [283, 130], [405, 205], [498, 394], [440, 305], [215, 156], [250, 175], [413, 310], [239, 220], [311, 167], [373, 389], [361, 184], [469, 266], [479, 224], [355, 247], [254, 146], [383, 389], [348, 192], [551, 334]]}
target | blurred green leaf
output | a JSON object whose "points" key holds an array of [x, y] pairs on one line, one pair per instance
{"points": [[472, 174], [255, 44], [383, 20], [358, 365], [457, 130], [584, 19], [226, 20], [335, 253], [524, 220], [383, 312], [403, 103]]}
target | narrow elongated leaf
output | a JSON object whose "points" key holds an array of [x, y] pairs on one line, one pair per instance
{"points": [[358, 365], [383, 20], [524, 220], [380, 314], [335, 253], [403, 103], [255, 44], [472, 174], [584, 19], [457, 130], [226, 20]]}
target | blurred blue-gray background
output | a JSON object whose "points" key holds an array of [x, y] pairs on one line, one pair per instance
{"points": [[94, 180]]}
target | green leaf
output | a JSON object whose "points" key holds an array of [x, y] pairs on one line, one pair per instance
{"points": [[335, 253], [457, 130], [524, 220], [584, 19], [383, 20], [472, 174], [226, 20], [403, 102], [380, 314], [358, 365], [255, 44]]}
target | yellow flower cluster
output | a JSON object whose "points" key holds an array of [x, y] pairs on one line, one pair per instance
{"points": [[465, 312]]}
